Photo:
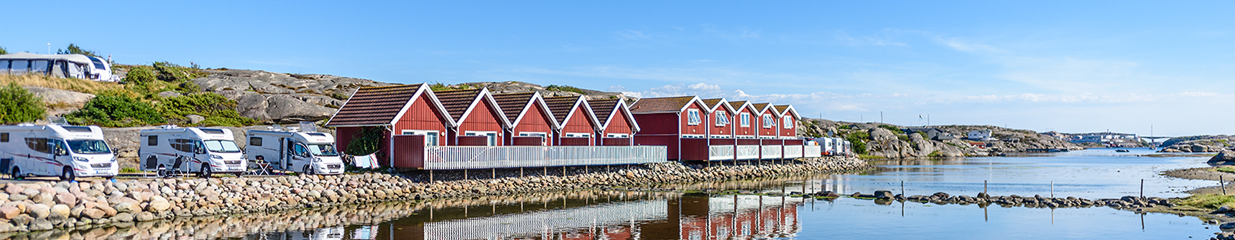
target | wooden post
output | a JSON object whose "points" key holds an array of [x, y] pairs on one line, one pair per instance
{"points": [[494, 172], [1052, 189], [1142, 188], [903, 188], [520, 175], [984, 187], [464, 174], [563, 174], [1222, 182], [430, 175]]}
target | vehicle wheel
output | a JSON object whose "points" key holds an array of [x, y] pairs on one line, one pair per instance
{"points": [[16, 174], [239, 174], [308, 170], [68, 174], [205, 171]]}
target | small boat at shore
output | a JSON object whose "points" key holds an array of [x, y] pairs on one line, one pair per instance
{"points": [[1121, 150]]}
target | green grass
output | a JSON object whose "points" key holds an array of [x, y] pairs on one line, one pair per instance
{"points": [[868, 157], [1226, 169], [894, 129], [128, 170], [1208, 201], [564, 88], [935, 154]]}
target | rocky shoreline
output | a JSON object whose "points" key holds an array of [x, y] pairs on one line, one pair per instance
{"points": [[40, 206]]}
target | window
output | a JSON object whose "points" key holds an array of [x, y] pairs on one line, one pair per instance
{"points": [[98, 63], [746, 119], [787, 122], [722, 118], [222, 146], [578, 135], [152, 140], [183, 145], [4, 66], [89, 146], [38, 144], [431, 136], [255, 141], [617, 135], [692, 117], [38, 66], [20, 66], [768, 121], [322, 150], [4, 137]]}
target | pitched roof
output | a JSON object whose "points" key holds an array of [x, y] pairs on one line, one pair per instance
{"points": [[781, 108], [603, 108], [373, 105], [512, 104], [561, 106], [457, 101], [786, 109], [711, 102], [659, 105]]}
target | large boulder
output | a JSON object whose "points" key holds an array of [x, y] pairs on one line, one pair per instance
{"points": [[60, 101], [1224, 157]]}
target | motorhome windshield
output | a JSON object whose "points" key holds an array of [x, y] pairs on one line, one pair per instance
{"points": [[89, 146], [323, 150], [222, 146]]}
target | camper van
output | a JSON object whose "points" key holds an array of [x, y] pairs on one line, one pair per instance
{"points": [[303, 152], [67, 152], [59, 65], [172, 150]]}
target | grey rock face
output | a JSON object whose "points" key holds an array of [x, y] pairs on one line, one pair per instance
{"points": [[277, 97], [60, 101]]}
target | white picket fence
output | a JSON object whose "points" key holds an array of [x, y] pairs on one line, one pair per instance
{"points": [[481, 157], [721, 152], [747, 152]]}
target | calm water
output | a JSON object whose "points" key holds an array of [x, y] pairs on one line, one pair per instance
{"points": [[658, 215]]}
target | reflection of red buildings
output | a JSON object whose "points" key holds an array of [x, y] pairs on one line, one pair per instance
{"points": [[724, 217]]}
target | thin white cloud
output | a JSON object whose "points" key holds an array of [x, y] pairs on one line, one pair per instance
{"points": [[881, 39], [632, 35], [734, 33], [965, 46]]}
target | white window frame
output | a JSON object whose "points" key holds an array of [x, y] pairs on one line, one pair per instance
{"points": [[722, 118], [431, 136], [492, 136], [745, 119], [578, 135], [788, 122], [692, 117], [768, 121], [617, 135]]}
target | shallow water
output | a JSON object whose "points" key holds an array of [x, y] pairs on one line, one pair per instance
{"points": [[659, 215]]}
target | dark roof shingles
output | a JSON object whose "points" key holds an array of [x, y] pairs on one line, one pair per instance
{"points": [[561, 106], [658, 105], [374, 105], [457, 101], [602, 108], [512, 103]]}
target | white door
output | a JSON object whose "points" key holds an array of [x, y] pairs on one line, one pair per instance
{"points": [[60, 153]]}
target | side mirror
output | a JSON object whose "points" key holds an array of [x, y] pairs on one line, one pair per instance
{"points": [[199, 151]]}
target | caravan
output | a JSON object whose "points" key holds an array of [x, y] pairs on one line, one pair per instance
{"points": [[54, 150], [205, 151], [307, 152], [60, 65]]}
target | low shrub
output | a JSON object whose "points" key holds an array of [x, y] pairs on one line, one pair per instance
{"points": [[1209, 201], [115, 109], [71, 84], [216, 109], [894, 129], [365, 142], [17, 105], [140, 75], [564, 88]]}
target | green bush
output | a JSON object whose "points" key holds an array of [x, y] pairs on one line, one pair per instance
{"points": [[857, 141], [564, 88], [365, 142], [140, 75], [3, 51], [171, 72], [217, 110], [74, 49], [115, 109], [18, 105]]}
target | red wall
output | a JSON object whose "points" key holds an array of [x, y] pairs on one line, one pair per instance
{"points": [[409, 151], [617, 124], [791, 132], [344, 135], [472, 141], [615, 142], [576, 141], [580, 122], [670, 143], [694, 149], [722, 130], [527, 141], [535, 120], [699, 129], [767, 131], [483, 119], [422, 116], [655, 124], [751, 130]]}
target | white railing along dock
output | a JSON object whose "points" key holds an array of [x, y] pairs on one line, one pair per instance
{"points": [[479, 157]]}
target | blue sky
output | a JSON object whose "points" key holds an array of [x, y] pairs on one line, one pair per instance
{"points": [[1069, 66]]}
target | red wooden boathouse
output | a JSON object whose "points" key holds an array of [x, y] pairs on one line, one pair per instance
{"points": [[617, 125], [578, 126]]}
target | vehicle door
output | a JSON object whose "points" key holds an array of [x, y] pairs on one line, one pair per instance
{"points": [[200, 156], [300, 156], [60, 157]]}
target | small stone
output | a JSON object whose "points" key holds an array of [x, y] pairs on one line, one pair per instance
{"points": [[39, 211], [59, 211], [40, 225], [145, 217], [94, 213], [125, 207], [9, 212], [123, 217]]}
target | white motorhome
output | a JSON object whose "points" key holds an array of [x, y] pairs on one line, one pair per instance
{"points": [[303, 152], [204, 151], [60, 65], [68, 152]]}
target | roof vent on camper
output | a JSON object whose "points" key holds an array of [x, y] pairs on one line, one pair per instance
{"points": [[77, 129], [169, 127], [25, 124], [57, 120], [308, 127], [212, 130]]}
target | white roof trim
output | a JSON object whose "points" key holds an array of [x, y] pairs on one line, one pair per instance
{"points": [[484, 95], [544, 108], [424, 88], [630, 117], [581, 103], [336, 111]]}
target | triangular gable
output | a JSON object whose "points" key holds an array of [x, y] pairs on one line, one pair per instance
{"points": [[538, 102], [374, 106], [484, 95], [580, 103], [424, 89], [667, 105], [716, 103], [789, 109], [630, 117], [766, 107], [744, 104]]}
